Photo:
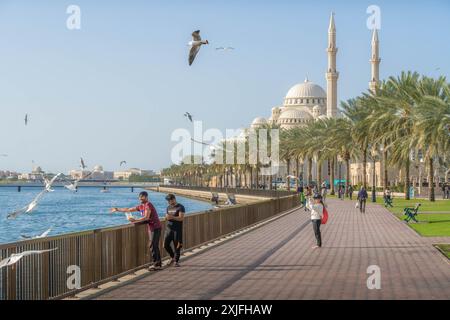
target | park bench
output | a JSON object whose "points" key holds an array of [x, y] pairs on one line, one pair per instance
{"points": [[411, 213], [215, 197], [388, 202]]}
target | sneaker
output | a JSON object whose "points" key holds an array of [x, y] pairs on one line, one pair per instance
{"points": [[155, 267], [171, 262], [315, 247], [177, 264]]}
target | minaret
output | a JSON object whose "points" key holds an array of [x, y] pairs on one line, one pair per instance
{"points": [[375, 61], [332, 75]]}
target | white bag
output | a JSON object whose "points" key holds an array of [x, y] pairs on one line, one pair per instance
{"points": [[357, 205]]}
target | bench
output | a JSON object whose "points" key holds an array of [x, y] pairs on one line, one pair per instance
{"points": [[411, 212], [388, 202], [215, 197]]}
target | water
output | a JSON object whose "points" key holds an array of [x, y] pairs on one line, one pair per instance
{"points": [[67, 211]]}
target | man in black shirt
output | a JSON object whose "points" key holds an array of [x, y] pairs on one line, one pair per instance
{"points": [[174, 229]]}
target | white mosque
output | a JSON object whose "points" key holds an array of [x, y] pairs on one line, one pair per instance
{"points": [[308, 101]]}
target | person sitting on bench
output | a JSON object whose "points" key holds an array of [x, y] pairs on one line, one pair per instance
{"points": [[215, 198], [411, 213], [231, 199]]}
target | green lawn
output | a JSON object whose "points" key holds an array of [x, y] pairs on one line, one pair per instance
{"points": [[430, 225], [445, 248]]}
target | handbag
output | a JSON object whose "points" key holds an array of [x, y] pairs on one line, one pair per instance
{"points": [[325, 216]]}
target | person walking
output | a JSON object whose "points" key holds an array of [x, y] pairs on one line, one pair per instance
{"points": [[308, 196], [323, 191], [149, 215], [362, 198], [341, 191], [350, 192], [174, 229], [316, 206]]}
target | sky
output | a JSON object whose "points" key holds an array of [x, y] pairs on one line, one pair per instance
{"points": [[118, 87]]}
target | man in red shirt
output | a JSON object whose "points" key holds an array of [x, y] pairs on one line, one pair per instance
{"points": [[149, 215]]}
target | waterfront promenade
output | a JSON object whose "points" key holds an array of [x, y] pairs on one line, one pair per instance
{"points": [[276, 261]]}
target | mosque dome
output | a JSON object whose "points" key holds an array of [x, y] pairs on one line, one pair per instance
{"points": [[98, 168], [258, 122], [37, 169], [305, 93]]}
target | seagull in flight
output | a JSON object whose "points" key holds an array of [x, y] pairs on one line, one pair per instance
{"points": [[15, 257], [224, 48], [123, 162], [33, 204], [42, 235], [195, 44], [26, 119], [83, 165], [74, 185], [189, 116]]}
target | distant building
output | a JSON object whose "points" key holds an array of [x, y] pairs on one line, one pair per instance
{"points": [[125, 175], [9, 174], [36, 174], [97, 174]]}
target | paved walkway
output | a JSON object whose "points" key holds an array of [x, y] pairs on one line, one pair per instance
{"points": [[276, 261]]}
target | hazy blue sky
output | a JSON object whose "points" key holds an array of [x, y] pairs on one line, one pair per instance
{"points": [[117, 88]]}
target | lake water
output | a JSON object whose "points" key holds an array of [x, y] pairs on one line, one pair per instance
{"points": [[66, 211]]}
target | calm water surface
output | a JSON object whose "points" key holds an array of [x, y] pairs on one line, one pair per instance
{"points": [[66, 211]]}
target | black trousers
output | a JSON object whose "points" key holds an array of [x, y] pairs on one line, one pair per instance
{"points": [[316, 226], [362, 205], [156, 253], [174, 237]]}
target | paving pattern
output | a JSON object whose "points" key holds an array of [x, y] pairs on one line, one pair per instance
{"points": [[276, 261]]}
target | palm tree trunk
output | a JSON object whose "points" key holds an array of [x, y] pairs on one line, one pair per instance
{"points": [[431, 195], [385, 159], [407, 197], [309, 170], [365, 168], [347, 174], [333, 192], [297, 168], [251, 177], [319, 172], [288, 180]]}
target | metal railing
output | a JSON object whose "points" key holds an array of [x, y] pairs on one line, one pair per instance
{"points": [[240, 191], [104, 254]]}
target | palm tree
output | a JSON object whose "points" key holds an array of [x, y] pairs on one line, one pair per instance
{"points": [[432, 118]]}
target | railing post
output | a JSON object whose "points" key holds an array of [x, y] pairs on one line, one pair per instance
{"points": [[11, 278]]}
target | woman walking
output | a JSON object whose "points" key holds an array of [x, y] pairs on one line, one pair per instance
{"points": [[316, 207]]}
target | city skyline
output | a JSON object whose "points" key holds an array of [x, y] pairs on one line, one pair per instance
{"points": [[118, 87]]}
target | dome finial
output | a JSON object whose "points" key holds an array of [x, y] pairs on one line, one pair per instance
{"points": [[306, 78]]}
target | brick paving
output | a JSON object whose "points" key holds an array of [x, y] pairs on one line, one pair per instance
{"points": [[276, 261]]}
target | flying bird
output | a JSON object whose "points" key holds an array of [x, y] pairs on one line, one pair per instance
{"points": [[15, 257], [74, 185], [26, 119], [225, 48], [123, 162], [33, 204], [42, 235], [195, 44], [83, 165], [189, 116], [3, 155]]}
